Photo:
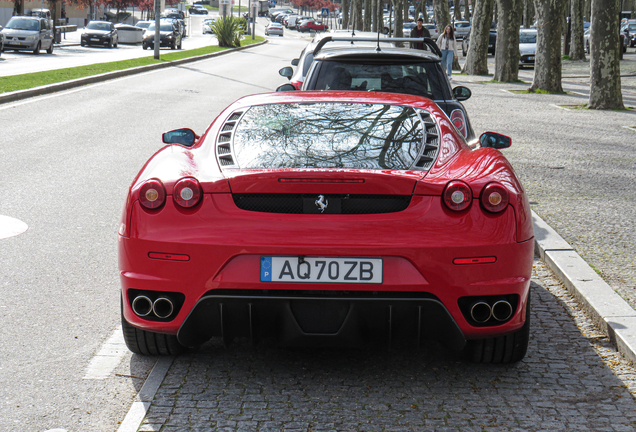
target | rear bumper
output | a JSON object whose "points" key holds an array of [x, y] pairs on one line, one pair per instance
{"points": [[212, 258]]}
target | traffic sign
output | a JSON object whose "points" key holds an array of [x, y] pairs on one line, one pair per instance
{"points": [[325, 12]]}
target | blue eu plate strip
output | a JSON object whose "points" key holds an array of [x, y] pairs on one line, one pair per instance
{"points": [[266, 269]]}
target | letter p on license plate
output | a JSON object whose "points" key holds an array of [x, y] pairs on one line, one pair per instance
{"points": [[321, 270]]}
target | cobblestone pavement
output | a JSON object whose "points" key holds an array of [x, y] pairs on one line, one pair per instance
{"points": [[578, 166], [571, 379]]}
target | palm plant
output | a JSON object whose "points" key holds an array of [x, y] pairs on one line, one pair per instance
{"points": [[228, 31]]}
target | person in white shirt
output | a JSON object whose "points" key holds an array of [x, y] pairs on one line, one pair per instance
{"points": [[446, 43]]}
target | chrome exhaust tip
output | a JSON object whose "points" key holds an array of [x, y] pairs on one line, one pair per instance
{"points": [[142, 306], [502, 310], [480, 312], [163, 307]]}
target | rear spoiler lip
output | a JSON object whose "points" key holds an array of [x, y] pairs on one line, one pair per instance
{"points": [[425, 40]]}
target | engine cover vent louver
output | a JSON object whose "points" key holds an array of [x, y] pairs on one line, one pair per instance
{"points": [[431, 141], [224, 141]]}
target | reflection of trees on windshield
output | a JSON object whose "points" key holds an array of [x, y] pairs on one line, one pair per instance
{"points": [[328, 135]]}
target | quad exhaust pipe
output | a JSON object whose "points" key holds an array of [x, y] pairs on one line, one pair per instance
{"points": [[161, 308], [481, 311]]}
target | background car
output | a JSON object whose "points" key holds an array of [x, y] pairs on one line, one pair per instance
{"points": [[206, 25], [169, 33], [394, 70], [274, 28], [432, 29], [629, 30], [143, 24], [101, 33], [492, 43], [527, 47], [22, 33], [311, 25], [198, 10], [1, 41], [420, 237], [173, 13], [462, 29]]}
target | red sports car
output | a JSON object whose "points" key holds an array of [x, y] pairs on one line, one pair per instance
{"points": [[327, 218]]}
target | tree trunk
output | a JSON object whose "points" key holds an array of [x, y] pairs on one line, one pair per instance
{"points": [[587, 10], [477, 57], [507, 49], [547, 66], [467, 15], [367, 15], [345, 14], [605, 77], [357, 14], [398, 6], [441, 14], [374, 16], [528, 14], [458, 10], [577, 46], [405, 9]]}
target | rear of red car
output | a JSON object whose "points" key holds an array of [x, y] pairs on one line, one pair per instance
{"points": [[268, 228]]}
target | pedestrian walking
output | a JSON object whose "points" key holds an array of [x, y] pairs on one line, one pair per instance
{"points": [[419, 32], [446, 43]]}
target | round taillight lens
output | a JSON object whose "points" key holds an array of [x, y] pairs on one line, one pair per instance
{"points": [[457, 195], [494, 197], [152, 194], [187, 192]]}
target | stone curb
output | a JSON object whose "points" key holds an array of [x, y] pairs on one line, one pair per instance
{"points": [[606, 308], [52, 88]]}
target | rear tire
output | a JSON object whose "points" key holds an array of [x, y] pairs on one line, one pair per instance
{"points": [[503, 349], [148, 343], [50, 50], [36, 51]]}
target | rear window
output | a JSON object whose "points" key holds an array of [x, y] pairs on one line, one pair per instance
{"points": [[528, 38], [329, 135], [420, 79]]}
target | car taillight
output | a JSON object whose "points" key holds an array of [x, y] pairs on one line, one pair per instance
{"points": [[457, 195], [187, 192], [459, 121], [152, 194], [494, 197]]}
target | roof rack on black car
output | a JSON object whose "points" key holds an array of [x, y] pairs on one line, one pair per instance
{"points": [[427, 41]]}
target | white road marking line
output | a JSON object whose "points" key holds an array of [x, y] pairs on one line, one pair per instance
{"points": [[142, 402], [108, 357], [10, 227]]}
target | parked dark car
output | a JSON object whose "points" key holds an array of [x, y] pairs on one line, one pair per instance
{"points": [[394, 70], [492, 43], [101, 33], [170, 36]]}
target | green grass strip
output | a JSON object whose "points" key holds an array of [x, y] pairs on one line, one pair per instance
{"points": [[37, 79]]}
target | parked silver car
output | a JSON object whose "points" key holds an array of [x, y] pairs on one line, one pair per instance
{"points": [[527, 47], [24, 33], [462, 29]]}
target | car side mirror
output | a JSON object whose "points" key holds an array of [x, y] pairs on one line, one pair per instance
{"points": [[294, 62], [462, 93], [286, 87], [185, 137], [287, 72], [495, 140]]}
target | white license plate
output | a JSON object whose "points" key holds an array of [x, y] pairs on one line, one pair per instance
{"points": [[94, 40], [530, 57], [348, 270]]}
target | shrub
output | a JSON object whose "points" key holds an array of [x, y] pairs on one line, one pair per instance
{"points": [[228, 31]]}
